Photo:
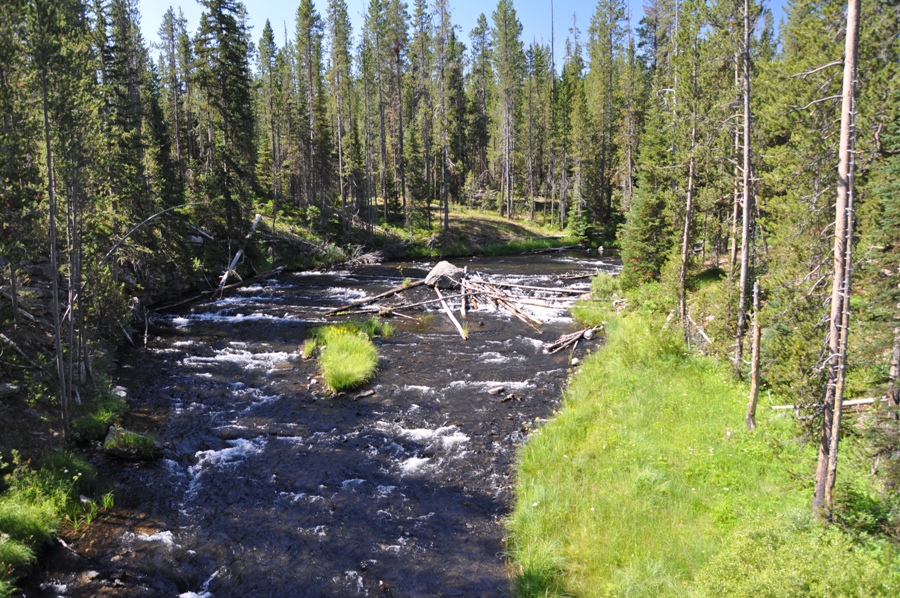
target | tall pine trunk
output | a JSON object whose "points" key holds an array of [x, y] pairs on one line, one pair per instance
{"points": [[826, 469]]}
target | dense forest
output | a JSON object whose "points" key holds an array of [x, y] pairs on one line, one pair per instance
{"points": [[703, 144]]}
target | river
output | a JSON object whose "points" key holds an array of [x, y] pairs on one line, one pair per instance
{"points": [[270, 486]]}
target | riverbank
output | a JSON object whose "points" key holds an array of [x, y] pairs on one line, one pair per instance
{"points": [[38, 430], [646, 483]]}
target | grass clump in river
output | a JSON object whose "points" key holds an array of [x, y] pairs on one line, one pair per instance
{"points": [[347, 356], [35, 504], [646, 483]]}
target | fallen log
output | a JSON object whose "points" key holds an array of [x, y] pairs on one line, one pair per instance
{"points": [[450, 315], [568, 339], [374, 298], [550, 249], [850, 403], [230, 269], [533, 288]]}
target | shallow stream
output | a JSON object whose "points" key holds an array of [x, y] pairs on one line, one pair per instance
{"points": [[270, 486]]}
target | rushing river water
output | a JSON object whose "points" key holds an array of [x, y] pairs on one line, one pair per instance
{"points": [[271, 487]]}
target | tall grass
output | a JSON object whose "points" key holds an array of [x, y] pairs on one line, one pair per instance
{"points": [[35, 504], [647, 484], [347, 356]]}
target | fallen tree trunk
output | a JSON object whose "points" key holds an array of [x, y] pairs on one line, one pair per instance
{"points": [[375, 298], [569, 339], [450, 315]]}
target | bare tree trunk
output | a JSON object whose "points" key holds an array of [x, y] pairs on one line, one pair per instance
{"points": [[893, 395], [54, 265], [402, 161], [747, 213], [732, 259], [754, 361], [686, 244], [826, 469]]}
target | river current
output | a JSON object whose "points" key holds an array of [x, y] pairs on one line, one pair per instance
{"points": [[271, 486]]}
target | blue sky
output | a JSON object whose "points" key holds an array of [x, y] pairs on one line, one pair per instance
{"points": [[535, 16]]}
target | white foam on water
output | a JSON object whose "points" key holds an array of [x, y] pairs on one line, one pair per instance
{"points": [[239, 449], [490, 384], [414, 465], [384, 491], [166, 538], [156, 351], [187, 343], [183, 322], [353, 482], [242, 357], [454, 439], [495, 357], [418, 388]]}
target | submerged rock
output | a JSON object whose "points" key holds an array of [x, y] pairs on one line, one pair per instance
{"points": [[444, 276], [8, 390]]}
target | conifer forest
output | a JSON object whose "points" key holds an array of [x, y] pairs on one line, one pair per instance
{"points": [[747, 173]]}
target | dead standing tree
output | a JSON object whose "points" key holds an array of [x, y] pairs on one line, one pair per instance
{"points": [[826, 469]]}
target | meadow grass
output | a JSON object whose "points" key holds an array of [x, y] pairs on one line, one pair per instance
{"points": [[646, 483]]}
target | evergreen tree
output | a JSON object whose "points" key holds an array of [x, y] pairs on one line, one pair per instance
{"points": [[228, 146], [508, 60]]}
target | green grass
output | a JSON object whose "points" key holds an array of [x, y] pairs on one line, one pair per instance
{"points": [[646, 483], [94, 424], [347, 356], [36, 503]]}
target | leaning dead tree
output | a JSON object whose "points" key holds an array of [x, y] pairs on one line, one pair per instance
{"points": [[469, 291]]}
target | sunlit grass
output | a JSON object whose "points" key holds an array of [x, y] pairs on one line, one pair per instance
{"points": [[36, 504], [347, 356], [646, 480]]}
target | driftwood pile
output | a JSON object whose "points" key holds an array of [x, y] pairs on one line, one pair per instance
{"points": [[467, 291]]}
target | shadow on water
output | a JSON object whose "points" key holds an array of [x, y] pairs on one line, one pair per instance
{"points": [[269, 486]]}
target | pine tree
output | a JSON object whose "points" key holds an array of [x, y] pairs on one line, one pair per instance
{"points": [[228, 147], [340, 79], [508, 60], [480, 98]]}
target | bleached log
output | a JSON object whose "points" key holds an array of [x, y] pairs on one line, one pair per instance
{"points": [[450, 315], [374, 298]]}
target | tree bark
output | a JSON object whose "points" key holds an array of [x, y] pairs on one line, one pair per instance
{"points": [[840, 290], [754, 361], [747, 213]]}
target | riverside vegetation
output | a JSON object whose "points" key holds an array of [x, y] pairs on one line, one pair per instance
{"points": [[647, 483], [710, 145]]}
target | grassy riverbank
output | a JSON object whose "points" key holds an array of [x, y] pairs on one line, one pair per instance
{"points": [[36, 504], [646, 483]]}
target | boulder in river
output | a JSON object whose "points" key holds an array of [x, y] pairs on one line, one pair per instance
{"points": [[444, 276]]}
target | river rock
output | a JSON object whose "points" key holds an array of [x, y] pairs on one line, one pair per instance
{"points": [[444, 276], [495, 390], [8, 390], [125, 444], [588, 334]]}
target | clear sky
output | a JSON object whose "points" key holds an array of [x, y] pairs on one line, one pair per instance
{"points": [[535, 16]]}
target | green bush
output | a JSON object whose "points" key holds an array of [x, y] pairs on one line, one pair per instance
{"points": [[604, 286]]}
